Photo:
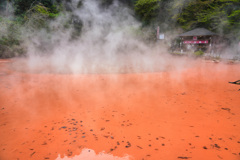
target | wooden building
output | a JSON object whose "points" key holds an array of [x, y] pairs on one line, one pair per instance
{"points": [[198, 39]]}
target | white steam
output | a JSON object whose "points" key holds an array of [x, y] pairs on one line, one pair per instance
{"points": [[109, 42]]}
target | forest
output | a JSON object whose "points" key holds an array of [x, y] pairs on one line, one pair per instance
{"points": [[220, 16]]}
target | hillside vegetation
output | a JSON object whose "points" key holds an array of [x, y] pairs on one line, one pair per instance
{"points": [[18, 17]]}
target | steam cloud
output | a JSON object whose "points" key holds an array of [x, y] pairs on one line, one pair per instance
{"points": [[109, 42]]}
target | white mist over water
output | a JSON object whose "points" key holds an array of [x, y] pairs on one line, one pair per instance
{"points": [[109, 43]]}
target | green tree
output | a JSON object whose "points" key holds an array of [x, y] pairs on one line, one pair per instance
{"points": [[37, 17], [10, 38], [221, 16], [22, 6], [3, 4], [156, 13], [189, 14], [147, 10]]}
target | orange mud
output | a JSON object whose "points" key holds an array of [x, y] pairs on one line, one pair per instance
{"points": [[189, 114]]}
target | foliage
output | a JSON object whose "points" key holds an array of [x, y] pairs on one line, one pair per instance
{"points": [[10, 38], [2, 5], [198, 53], [147, 9], [22, 6], [221, 16], [106, 3], [37, 17]]}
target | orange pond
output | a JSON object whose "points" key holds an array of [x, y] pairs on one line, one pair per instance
{"points": [[192, 113]]}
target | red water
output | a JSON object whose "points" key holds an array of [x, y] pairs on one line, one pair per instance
{"points": [[189, 114]]}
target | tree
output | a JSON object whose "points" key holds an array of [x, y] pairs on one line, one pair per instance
{"points": [[221, 16], [2, 5], [147, 10], [10, 38], [37, 16], [22, 6]]}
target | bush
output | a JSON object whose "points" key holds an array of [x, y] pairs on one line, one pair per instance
{"points": [[38, 17], [198, 53], [10, 38]]}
